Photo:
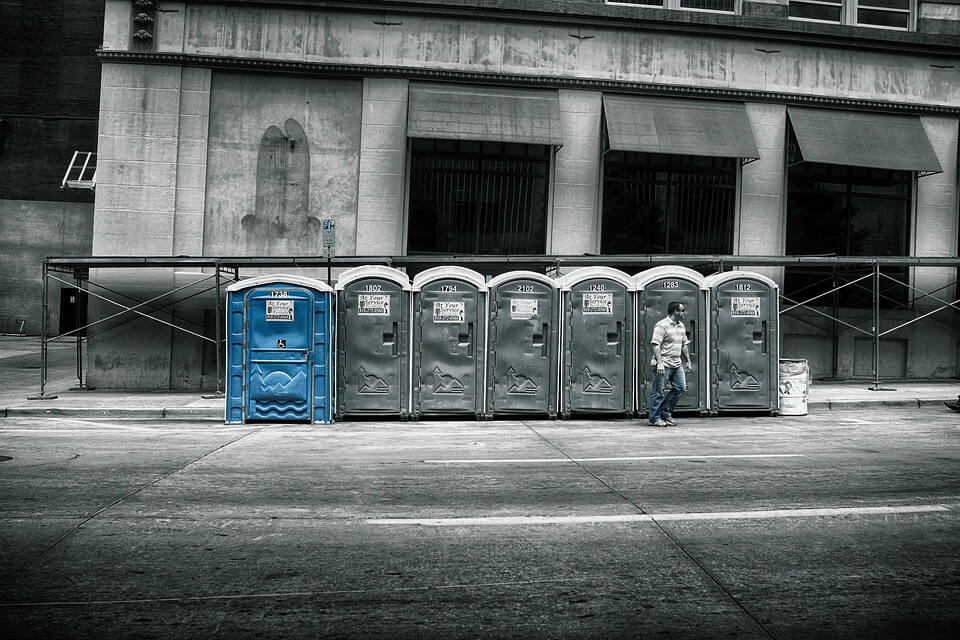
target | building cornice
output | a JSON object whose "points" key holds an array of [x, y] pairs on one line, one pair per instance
{"points": [[321, 69]]}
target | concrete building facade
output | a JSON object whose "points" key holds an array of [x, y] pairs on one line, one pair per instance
{"points": [[49, 88], [234, 128]]}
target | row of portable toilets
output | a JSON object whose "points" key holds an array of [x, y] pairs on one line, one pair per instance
{"points": [[454, 343]]}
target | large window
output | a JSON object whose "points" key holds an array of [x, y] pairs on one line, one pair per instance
{"points": [[659, 204], [847, 211], [889, 14], [481, 198]]}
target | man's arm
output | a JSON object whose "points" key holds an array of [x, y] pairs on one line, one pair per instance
{"points": [[658, 357], [686, 356]]}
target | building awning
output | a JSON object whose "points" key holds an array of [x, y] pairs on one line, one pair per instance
{"points": [[873, 140], [464, 112], [678, 126]]}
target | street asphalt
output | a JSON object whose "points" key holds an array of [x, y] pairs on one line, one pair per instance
{"points": [[837, 524], [843, 523]]}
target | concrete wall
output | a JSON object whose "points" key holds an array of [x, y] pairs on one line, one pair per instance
{"points": [[242, 108], [628, 54], [31, 230]]}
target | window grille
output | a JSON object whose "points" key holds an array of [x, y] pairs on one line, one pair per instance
{"points": [[480, 198], [660, 204], [847, 211]]}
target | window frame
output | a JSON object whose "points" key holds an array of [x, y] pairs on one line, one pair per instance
{"points": [[675, 5], [849, 11]]}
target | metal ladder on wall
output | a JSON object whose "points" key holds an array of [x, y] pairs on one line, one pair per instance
{"points": [[82, 172]]}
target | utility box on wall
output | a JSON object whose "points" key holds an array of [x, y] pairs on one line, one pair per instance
{"points": [[280, 350]]}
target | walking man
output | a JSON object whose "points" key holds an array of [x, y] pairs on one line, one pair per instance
{"points": [[669, 343]]}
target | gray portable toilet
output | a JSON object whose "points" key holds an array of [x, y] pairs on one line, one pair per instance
{"points": [[522, 344], [596, 335], [656, 289], [279, 350], [744, 342], [373, 340], [449, 327]]}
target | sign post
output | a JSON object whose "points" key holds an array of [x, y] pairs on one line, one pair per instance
{"points": [[329, 242]]}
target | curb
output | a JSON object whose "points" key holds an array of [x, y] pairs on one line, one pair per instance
{"points": [[154, 413], [831, 405]]}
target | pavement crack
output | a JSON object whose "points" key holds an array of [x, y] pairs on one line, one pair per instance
{"points": [[676, 543], [121, 499], [606, 484]]}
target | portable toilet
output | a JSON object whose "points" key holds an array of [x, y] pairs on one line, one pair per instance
{"points": [[373, 340], [280, 352], [597, 342], [656, 289], [744, 342], [449, 350], [522, 360]]}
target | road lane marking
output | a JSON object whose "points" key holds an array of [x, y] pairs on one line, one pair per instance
{"points": [[614, 459], [660, 517]]}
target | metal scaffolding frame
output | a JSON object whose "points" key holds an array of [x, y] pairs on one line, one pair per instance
{"points": [[78, 268]]}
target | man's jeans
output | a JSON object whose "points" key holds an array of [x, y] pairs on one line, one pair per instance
{"points": [[660, 404]]}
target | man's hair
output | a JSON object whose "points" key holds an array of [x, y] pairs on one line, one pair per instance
{"points": [[673, 306]]}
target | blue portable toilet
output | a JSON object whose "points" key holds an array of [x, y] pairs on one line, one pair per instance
{"points": [[280, 350]]}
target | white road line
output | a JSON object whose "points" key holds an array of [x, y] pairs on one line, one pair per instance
{"points": [[692, 456], [659, 517]]}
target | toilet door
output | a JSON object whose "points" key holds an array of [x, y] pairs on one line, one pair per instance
{"points": [[278, 353]]}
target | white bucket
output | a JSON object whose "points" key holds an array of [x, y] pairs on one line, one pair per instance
{"points": [[794, 379]]}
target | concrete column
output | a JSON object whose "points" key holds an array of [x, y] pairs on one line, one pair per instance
{"points": [[936, 228], [191, 161], [116, 24], [760, 227], [170, 27], [134, 216], [383, 153], [575, 227]]}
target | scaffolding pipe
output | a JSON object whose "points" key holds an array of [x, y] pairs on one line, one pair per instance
{"points": [[219, 338], [43, 341]]}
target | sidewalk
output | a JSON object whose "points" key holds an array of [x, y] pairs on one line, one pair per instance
{"points": [[20, 378]]}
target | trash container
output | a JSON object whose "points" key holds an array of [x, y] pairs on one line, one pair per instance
{"points": [[597, 340], [522, 336], [373, 341], [794, 383], [656, 289], [449, 325], [280, 332], [744, 342]]}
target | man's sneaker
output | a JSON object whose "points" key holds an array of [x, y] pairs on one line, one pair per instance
{"points": [[669, 421], [657, 423]]}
